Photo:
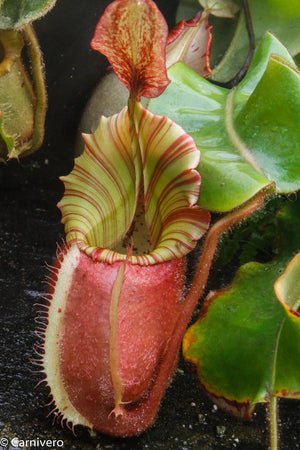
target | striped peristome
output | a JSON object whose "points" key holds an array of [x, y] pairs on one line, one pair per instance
{"points": [[100, 199]]}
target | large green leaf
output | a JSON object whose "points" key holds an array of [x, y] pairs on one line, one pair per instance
{"points": [[248, 137], [18, 13], [280, 18], [246, 343]]}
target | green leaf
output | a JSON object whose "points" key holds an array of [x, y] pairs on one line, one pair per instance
{"points": [[236, 130], [18, 13], [275, 17], [246, 343], [104, 190], [271, 122]]}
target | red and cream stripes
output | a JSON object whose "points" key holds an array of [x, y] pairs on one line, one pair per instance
{"points": [[100, 199]]}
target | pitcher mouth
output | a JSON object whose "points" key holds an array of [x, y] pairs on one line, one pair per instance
{"points": [[114, 196], [112, 256], [136, 248]]}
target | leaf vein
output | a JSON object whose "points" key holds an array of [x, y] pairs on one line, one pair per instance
{"points": [[239, 145]]}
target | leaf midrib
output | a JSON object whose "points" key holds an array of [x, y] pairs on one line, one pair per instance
{"points": [[235, 139]]}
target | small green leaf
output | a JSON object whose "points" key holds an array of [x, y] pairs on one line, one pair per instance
{"points": [[246, 343], [236, 131], [18, 13]]}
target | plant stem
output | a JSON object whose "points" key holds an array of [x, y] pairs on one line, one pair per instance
{"points": [[39, 88], [245, 19], [242, 72], [211, 242], [273, 422]]}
